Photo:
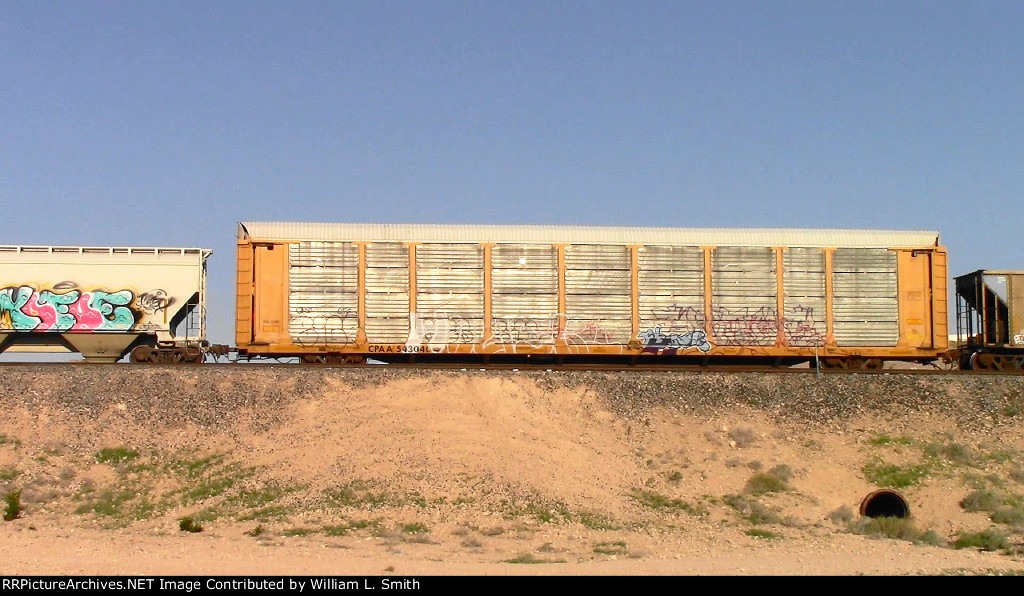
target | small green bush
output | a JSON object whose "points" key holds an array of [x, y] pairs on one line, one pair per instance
{"points": [[1013, 516], [258, 530], [982, 500], [892, 476], [743, 436], [843, 515], [414, 528], [611, 548], [775, 480], [116, 455], [13, 509], [954, 452], [887, 440], [189, 524], [989, 540], [658, 501], [752, 511], [896, 528], [298, 532]]}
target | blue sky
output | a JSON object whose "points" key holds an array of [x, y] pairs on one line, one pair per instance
{"points": [[164, 124]]}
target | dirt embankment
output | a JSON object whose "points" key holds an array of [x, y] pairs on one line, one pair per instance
{"points": [[329, 471]]}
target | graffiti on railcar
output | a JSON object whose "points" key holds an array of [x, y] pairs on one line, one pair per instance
{"points": [[745, 326], [802, 328], [656, 341], [63, 307], [155, 301], [527, 332], [442, 328], [742, 326], [309, 326], [587, 332]]}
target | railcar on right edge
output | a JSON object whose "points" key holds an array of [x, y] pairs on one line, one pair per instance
{"points": [[990, 320]]}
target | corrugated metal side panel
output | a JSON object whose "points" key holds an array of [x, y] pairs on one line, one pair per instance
{"points": [[525, 281], [450, 256], [670, 258], [804, 287], [524, 256], [511, 306], [463, 305], [671, 288], [597, 256], [323, 254], [597, 300], [524, 294], [387, 292], [597, 281], [743, 296], [323, 301], [865, 301], [449, 294]]}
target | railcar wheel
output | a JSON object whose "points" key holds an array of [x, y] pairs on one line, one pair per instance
{"points": [[179, 355], [142, 354], [313, 359]]}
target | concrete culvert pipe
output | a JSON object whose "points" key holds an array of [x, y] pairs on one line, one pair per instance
{"points": [[884, 503]]}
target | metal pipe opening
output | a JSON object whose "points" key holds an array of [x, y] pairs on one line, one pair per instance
{"points": [[884, 503]]}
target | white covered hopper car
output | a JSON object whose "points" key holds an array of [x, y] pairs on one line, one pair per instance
{"points": [[104, 302]]}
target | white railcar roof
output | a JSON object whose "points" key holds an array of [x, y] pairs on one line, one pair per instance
{"points": [[543, 234], [99, 250]]}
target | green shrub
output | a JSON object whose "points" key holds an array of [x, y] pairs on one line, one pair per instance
{"points": [[843, 515], [990, 540], [743, 436], [611, 548], [982, 500], [887, 440], [116, 455], [658, 501], [892, 476], [775, 480], [1013, 516], [954, 452], [414, 528], [13, 509], [258, 530], [897, 528], [752, 511], [298, 532], [189, 524]]}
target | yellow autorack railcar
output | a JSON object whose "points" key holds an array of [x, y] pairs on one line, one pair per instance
{"points": [[339, 292]]}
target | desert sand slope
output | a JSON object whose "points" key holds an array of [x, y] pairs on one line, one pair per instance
{"points": [[328, 471]]}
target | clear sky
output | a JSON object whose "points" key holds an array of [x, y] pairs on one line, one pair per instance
{"points": [[165, 123]]}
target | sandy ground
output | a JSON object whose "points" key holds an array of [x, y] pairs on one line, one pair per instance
{"points": [[295, 471]]}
